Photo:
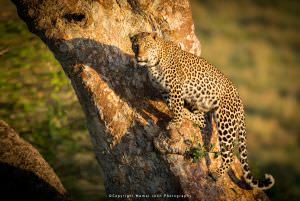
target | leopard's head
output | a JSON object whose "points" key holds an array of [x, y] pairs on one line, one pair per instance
{"points": [[146, 48]]}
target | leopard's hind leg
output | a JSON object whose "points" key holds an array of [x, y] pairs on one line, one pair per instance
{"points": [[227, 129]]}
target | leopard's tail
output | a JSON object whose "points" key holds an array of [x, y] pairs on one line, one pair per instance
{"points": [[264, 184]]}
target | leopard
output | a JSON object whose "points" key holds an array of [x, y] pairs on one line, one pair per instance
{"points": [[183, 77]]}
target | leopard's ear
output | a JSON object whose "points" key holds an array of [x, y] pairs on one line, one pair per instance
{"points": [[154, 35]]}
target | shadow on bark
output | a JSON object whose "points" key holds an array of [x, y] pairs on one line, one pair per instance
{"points": [[129, 82]]}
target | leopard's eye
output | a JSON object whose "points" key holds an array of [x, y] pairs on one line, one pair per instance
{"points": [[135, 48]]}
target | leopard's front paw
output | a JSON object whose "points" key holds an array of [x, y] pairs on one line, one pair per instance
{"points": [[200, 124], [196, 117], [174, 124], [166, 145]]}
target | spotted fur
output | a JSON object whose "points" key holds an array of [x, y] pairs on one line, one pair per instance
{"points": [[184, 77]]}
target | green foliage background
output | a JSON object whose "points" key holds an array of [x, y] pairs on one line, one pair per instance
{"points": [[255, 43]]}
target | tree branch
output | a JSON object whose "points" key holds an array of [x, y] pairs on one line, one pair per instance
{"points": [[24, 174]]}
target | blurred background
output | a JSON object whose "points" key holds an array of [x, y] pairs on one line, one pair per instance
{"points": [[255, 43]]}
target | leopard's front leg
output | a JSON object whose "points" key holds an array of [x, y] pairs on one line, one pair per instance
{"points": [[197, 117], [175, 104]]}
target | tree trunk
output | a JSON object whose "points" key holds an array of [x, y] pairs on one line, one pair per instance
{"points": [[125, 116], [24, 174]]}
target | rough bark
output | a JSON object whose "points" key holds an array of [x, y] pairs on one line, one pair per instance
{"points": [[24, 174], [125, 117]]}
